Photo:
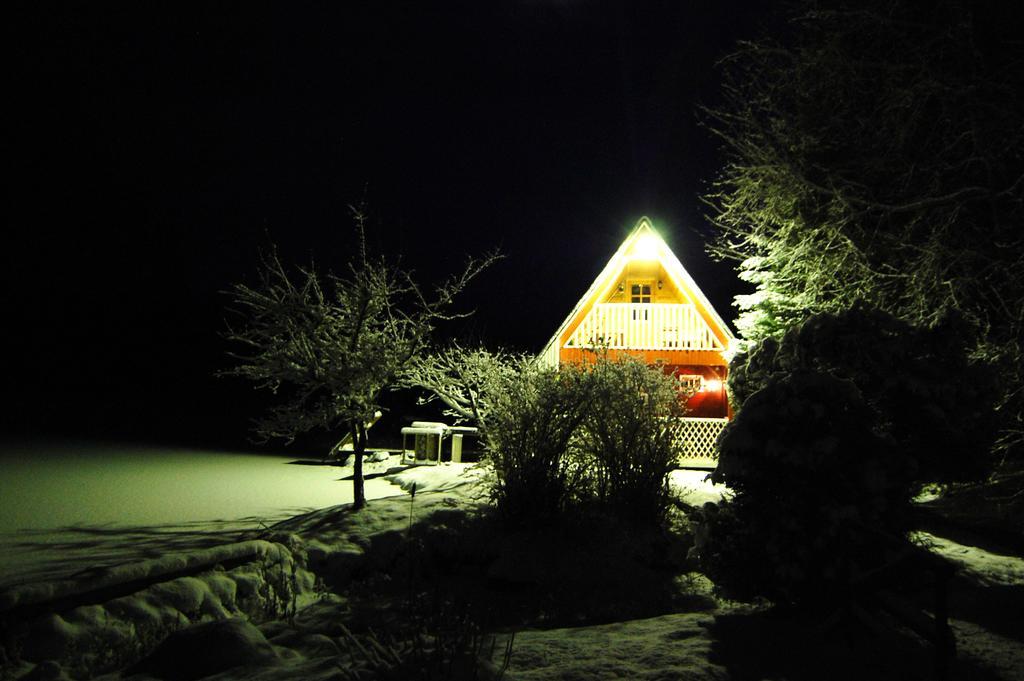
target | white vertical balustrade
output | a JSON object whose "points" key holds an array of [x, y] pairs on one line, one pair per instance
{"points": [[645, 326]]}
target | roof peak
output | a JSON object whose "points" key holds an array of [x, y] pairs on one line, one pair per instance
{"points": [[644, 221], [643, 243]]}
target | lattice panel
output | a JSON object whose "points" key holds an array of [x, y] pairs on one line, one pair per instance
{"points": [[699, 438]]}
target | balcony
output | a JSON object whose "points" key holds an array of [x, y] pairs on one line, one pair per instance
{"points": [[644, 326]]}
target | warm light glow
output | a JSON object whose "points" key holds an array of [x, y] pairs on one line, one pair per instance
{"points": [[712, 385], [646, 247]]}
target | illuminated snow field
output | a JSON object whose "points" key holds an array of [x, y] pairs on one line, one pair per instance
{"points": [[78, 518], [64, 507]]}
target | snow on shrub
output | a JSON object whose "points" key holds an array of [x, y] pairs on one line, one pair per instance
{"points": [[593, 435], [534, 415], [924, 392], [625, 439], [839, 424], [819, 495]]}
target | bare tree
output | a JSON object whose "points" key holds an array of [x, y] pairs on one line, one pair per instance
{"points": [[465, 380], [328, 346]]}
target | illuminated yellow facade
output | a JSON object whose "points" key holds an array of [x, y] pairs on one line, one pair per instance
{"points": [[645, 304]]}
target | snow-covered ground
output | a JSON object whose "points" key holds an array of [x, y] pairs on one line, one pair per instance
{"points": [[977, 564], [318, 646], [694, 488], [674, 646], [65, 507]]}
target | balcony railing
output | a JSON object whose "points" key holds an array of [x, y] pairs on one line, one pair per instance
{"points": [[644, 326]]}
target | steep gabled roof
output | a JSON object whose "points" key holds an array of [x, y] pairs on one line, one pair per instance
{"points": [[642, 238]]}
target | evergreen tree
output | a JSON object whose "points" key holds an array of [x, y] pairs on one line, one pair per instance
{"points": [[876, 153]]}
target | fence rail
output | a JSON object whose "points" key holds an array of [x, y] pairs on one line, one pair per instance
{"points": [[699, 440]]}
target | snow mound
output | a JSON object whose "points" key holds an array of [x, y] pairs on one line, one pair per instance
{"points": [[988, 569], [445, 477], [148, 570], [337, 540], [206, 649], [105, 633]]}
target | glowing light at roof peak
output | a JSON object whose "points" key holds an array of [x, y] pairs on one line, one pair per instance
{"points": [[646, 247]]}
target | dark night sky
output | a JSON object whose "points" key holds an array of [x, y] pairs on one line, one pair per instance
{"points": [[156, 148]]}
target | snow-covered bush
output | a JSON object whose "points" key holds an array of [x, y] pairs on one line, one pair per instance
{"points": [[594, 435], [839, 424], [923, 391], [533, 418], [625, 438], [819, 495], [750, 370]]}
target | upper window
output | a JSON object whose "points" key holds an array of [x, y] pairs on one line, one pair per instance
{"points": [[640, 293]]}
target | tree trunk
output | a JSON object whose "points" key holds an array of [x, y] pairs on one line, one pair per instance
{"points": [[359, 448]]}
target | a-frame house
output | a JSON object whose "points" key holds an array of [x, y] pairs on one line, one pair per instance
{"points": [[644, 303]]}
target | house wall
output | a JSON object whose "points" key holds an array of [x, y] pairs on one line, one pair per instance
{"points": [[710, 403], [710, 365], [646, 269]]}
